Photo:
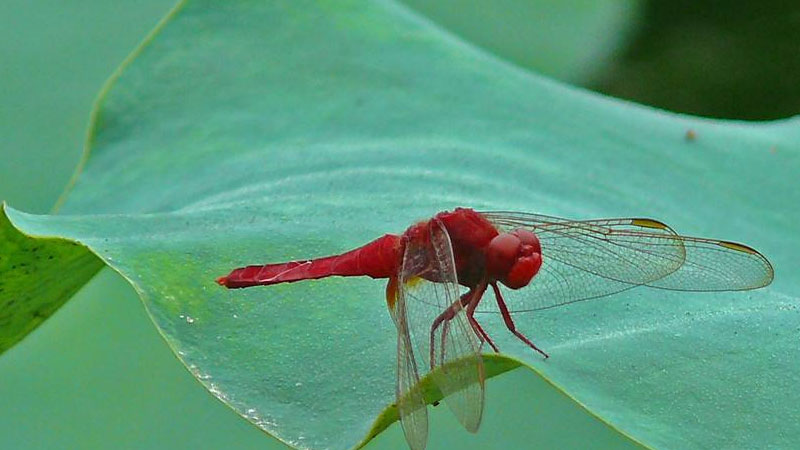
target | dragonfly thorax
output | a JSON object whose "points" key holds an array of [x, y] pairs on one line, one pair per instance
{"points": [[514, 258]]}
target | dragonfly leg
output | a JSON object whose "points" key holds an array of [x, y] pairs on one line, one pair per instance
{"points": [[449, 313], [482, 333], [510, 323], [445, 316], [473, 304]]}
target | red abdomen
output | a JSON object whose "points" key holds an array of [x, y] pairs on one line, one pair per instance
{"points": [[469, 231], [378, 259]]}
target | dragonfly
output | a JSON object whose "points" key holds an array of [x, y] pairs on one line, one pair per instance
{"points": [[439, 269]]}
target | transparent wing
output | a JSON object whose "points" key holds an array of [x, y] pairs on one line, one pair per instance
{"points": [[438, 327], [410, 401], [589, 259]]}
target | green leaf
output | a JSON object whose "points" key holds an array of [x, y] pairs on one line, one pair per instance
{"points": [[494, 365], [33, 285], [251, 132]]}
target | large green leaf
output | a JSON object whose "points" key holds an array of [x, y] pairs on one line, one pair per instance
{"points": [[55, 56], [251, 132]]}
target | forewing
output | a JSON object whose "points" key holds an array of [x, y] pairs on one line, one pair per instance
{"points": [[714, 265], [428, 287], [594, 258], [410, 401]]}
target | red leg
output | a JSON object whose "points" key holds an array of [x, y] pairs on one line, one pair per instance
{"points": [[510, 323], [447, 314], [469, 298], [483, 334], [473, 304]]}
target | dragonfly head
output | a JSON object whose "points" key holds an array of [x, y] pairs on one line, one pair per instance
{"points": [[514, 258]]}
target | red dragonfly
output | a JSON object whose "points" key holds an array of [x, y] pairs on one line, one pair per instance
{"points": [[560, 261]]}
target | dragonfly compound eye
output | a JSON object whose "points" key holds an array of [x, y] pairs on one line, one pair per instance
{"points": [[501, 254], [530, 243], [514, 258], [522, 271]]}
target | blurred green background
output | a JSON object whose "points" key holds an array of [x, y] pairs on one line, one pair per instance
{"points": [[98, 375]]}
